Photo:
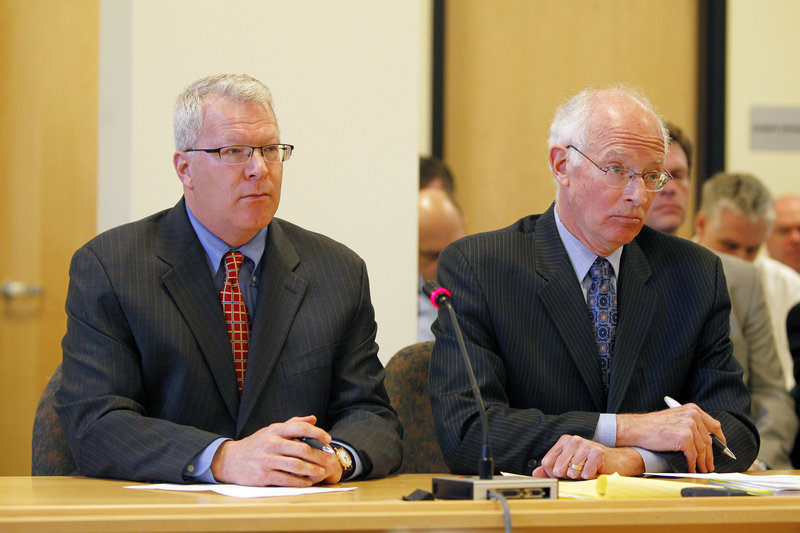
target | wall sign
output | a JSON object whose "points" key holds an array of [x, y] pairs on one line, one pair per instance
{"points": [[775, 128]]}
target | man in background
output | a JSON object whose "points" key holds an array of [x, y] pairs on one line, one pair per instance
{"points": [[440, 223], [671, 204], [735, 216], [783, 243], [579, 321], [434, 174], [751, 330], [204, 342]]}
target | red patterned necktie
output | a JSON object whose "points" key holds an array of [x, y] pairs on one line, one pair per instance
{"points": [[236, 316]]}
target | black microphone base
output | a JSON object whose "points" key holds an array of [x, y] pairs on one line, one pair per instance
{"points": [[512, 487]]}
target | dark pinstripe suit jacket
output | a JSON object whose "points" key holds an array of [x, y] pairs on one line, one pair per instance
{"points": [[148, 374], [529, 337]]}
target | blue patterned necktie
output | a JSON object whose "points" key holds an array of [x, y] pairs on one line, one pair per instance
{"points": [[602, 302]]}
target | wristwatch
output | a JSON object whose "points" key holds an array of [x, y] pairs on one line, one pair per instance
{"points": [[345, 460]]}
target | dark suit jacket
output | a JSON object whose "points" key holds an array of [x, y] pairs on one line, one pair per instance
{"points": [[529, 336], [148, 373]]}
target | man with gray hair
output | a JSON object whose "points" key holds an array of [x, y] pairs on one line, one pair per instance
{"points": [[735, 216], [207, 342], [579, 321]]}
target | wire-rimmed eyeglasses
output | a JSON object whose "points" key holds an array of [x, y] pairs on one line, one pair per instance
{"points": [[618, 177], [240, 154]]}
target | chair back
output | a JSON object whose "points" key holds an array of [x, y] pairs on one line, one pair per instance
{"points": [[407, 384], [50, 454]]}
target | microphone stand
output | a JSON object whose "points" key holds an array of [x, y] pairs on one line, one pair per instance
{"points": [[471, 488]]}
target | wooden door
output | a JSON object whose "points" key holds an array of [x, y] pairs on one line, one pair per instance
{"points": [[48, 160], [510, 64]]}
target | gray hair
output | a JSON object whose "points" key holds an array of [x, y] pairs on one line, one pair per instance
{"points": [[741, 192], [187, 118], [572, 121]]}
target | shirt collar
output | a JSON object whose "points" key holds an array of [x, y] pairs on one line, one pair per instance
{"points": [[216, 248], [580, 255]]}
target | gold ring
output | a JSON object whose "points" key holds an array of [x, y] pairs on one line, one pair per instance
{"points": [[575, 467]]}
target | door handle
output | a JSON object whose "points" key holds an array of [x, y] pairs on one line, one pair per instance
{"points": [[18, 289]]}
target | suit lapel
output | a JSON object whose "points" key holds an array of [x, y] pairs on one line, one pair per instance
{"points": [[189, 283], [280, 292], [636, 302], [562, 298]]}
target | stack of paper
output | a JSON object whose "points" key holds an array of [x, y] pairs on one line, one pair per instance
{"points": [[616, 486], [766, 484]]}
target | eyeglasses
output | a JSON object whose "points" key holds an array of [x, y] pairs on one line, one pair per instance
{"points": [[618, 177], [240, 154]]}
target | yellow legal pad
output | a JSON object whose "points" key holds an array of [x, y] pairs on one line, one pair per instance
{"points": [[624, 487]]}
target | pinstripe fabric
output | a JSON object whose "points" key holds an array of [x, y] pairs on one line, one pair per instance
{"points": [[530, 340], [148, 376]]}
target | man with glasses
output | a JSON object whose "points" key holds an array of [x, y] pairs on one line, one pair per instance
{"points": [[671, 205], [579, 322], [214, 342]]}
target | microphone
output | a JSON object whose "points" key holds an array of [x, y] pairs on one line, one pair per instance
{"points": [[471, 488], [440, 297]]}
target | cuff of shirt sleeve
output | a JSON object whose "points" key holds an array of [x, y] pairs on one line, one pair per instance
{"points": [[606, 431], [356, 459], [653, 463], [199, 468]]}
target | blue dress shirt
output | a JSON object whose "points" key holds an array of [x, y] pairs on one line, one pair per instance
{"points": [[582, 258], [199, 468]]}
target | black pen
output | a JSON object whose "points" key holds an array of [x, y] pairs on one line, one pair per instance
{"points": [[711, 491], [714, 439], [314, 443]]}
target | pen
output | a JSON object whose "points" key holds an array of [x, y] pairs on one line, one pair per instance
{"points": [[717, 442], [314, 443], [711, 491]]}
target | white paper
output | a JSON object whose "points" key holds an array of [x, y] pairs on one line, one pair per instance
{"points": [[772, 482], [240, 491]]}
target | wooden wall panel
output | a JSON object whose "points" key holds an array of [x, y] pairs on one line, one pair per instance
{"points": [[510, 63]]}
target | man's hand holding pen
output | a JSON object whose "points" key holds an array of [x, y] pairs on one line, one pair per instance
{"points": [[275, 455], [684, 428]]}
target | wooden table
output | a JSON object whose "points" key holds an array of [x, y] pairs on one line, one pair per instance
{"points": [[67, 504]]}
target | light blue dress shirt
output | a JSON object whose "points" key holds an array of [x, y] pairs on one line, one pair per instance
{"points": [[199, 468], [582, 258]]}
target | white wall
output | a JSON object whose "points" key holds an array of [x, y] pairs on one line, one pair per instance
{"points": [[763, 69], [425, 76], [345, 79]]}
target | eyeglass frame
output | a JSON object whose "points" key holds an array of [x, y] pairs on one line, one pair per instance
{"points": [[289, 148], [632, 173]]}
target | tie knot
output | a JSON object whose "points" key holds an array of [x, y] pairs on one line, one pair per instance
{"points": [[600, 269], [233, 262]]}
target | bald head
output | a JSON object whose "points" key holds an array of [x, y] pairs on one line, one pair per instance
{"points": [[593, 131], [440, 223], [783, 243]]}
